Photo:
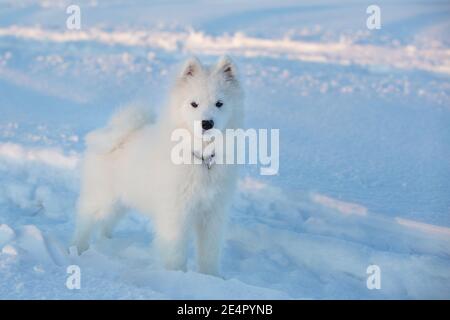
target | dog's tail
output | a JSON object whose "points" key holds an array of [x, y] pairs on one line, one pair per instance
{"points": [[120, 127]]}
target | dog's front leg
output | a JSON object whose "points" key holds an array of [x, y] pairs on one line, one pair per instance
{"points": [[172, 241], [209, 229]]}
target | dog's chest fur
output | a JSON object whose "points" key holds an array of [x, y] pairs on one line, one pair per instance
{"points": [[203, 187]]}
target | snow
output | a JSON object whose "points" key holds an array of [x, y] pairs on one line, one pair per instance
{"points": [[364, 146], [46, 156]]}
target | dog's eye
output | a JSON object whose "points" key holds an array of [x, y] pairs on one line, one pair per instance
{"points": [[194, 104], [219, 104]]}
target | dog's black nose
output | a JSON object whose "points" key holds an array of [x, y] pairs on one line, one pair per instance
{"points": [[207, 124]]}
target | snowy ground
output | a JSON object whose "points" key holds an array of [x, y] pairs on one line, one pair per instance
{"points": [[364, 119]]}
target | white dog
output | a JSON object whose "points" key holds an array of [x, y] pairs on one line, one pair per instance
{"points": [[128, 165]]}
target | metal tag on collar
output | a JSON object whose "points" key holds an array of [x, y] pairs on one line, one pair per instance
{"points": [[210, 161]]}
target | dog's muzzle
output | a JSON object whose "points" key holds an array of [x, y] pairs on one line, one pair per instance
{"points": [[208, 162]]}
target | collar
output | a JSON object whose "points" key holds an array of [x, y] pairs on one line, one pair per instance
{"points": [[208, 161]]}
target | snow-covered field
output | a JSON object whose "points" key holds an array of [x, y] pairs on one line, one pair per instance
{"points": [[364, 119]]}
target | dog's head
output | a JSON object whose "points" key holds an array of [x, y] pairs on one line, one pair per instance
{"points": [[207, 97]]}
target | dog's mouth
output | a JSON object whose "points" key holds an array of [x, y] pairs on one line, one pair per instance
{"points": [[207, 161]]}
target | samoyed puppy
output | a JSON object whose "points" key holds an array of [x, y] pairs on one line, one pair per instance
{"points": [[130, 164]]}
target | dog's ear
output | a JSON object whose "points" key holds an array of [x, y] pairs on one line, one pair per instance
{"points": [[226, 67], [191, 68]]}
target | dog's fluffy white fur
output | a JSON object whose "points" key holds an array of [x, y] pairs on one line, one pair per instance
{"points": [[128, 164]]}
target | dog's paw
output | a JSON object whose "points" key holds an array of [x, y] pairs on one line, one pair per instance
{"points": [[77, 249]]}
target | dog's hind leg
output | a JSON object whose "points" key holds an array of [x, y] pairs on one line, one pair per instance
{"points": [[110, 221], [90, 216], [85, 224]]}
